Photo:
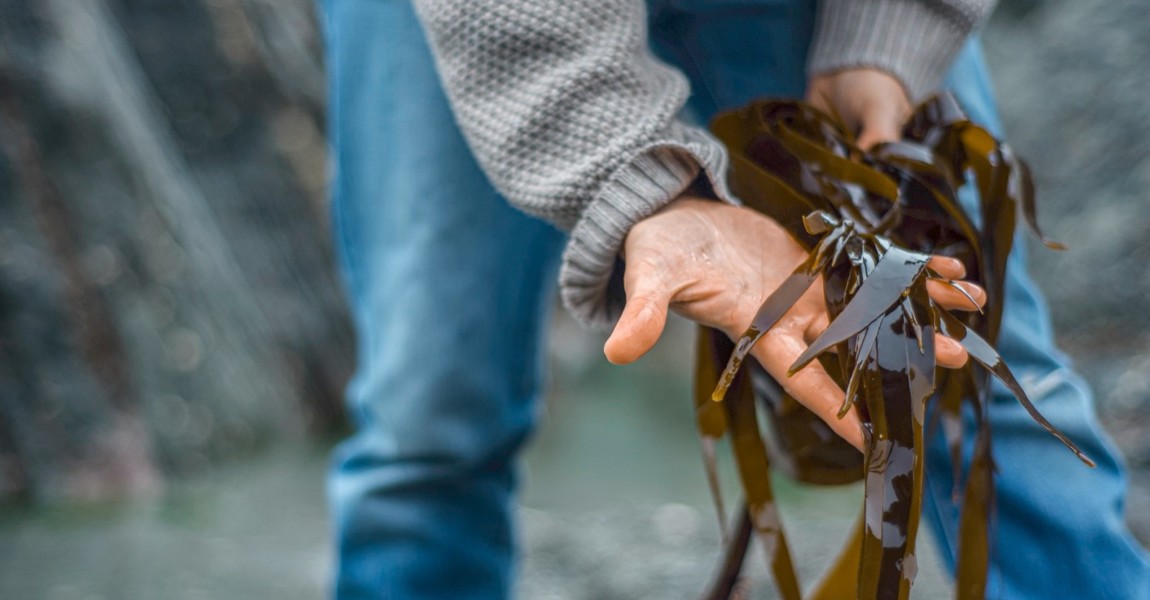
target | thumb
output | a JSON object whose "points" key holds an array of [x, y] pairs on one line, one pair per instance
{"points": [[643, 319]]}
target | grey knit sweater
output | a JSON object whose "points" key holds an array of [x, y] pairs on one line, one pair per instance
{"points": [[574, 120]]}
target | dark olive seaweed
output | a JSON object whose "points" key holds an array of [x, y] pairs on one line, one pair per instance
{"points": [[871, 221]]}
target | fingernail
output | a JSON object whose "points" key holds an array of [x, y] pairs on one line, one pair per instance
{"points": [[975, 291]]}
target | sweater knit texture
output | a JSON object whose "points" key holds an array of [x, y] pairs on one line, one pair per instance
{"points": [[575, 121]]}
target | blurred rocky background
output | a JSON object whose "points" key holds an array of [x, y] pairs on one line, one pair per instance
{"points": [[173, 342], [1072, 94], [166, 291]]}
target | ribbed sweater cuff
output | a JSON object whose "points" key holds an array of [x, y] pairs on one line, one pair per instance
{"points": [[589, 278], [906, 38]]}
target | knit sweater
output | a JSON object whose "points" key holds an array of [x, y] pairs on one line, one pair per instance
{"points": [[575, 121]]}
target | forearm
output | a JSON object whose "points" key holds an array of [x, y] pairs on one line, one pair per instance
{"points": [[914, 40]]}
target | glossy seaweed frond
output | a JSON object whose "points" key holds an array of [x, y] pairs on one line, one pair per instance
{"points": [[871, 222]]}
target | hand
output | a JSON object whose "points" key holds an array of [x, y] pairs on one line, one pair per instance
{"points": [[715, 264], [871, 102]]}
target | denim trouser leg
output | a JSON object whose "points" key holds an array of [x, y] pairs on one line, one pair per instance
{"points": [[1060, 532], [1059, 529], [450, 288]]}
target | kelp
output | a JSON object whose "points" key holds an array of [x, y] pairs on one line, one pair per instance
{"points": [[871, 221]]}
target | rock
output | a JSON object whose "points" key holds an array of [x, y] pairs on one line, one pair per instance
{"points": [[165, 264]]}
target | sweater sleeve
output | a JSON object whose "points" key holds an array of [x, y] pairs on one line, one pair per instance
{"points": [[914, 40], [574, 121]]}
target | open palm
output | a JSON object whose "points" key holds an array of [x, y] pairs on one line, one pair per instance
{"points": [[716, 264]]}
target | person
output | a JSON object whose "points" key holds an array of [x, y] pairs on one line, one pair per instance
{"points": [[585, 116]]}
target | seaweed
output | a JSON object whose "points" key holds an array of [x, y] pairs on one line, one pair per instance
{"points": [[871, 221]]}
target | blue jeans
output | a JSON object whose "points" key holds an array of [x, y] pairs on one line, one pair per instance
{"points": [[450, 290]]}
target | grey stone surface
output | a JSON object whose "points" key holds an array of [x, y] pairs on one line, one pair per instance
{"points": [[167, 296]]}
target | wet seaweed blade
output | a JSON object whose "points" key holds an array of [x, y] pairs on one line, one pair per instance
{"points": [[871, 221]]}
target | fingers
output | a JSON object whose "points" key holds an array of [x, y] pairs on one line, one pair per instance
{"points": [[881, 127], [948, 267], [949, 353], [811, 386], [881, 122], [644, 316], [816, 390], [870, 101], [971, 297]]}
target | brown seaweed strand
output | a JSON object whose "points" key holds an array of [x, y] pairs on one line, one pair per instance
{"points": [[998, 216], [985, 355], [707, 447], [920, 376], [826, 177], [901, 474], [810, 178], [862, 354], [925, 179], [912, 320], [807, 160], [840, 581], [961, 290], [837, 168], [777, 304], [817, 223], [754, 473], [953, 392], [883, 288], [877, 450], [923, 373], [725, 578], [973, 534], [1022, 187], [764, 192], [711, 346], [710, 419]]}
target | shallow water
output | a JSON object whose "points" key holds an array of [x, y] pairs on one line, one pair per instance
{"points": [[615, 507]]}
